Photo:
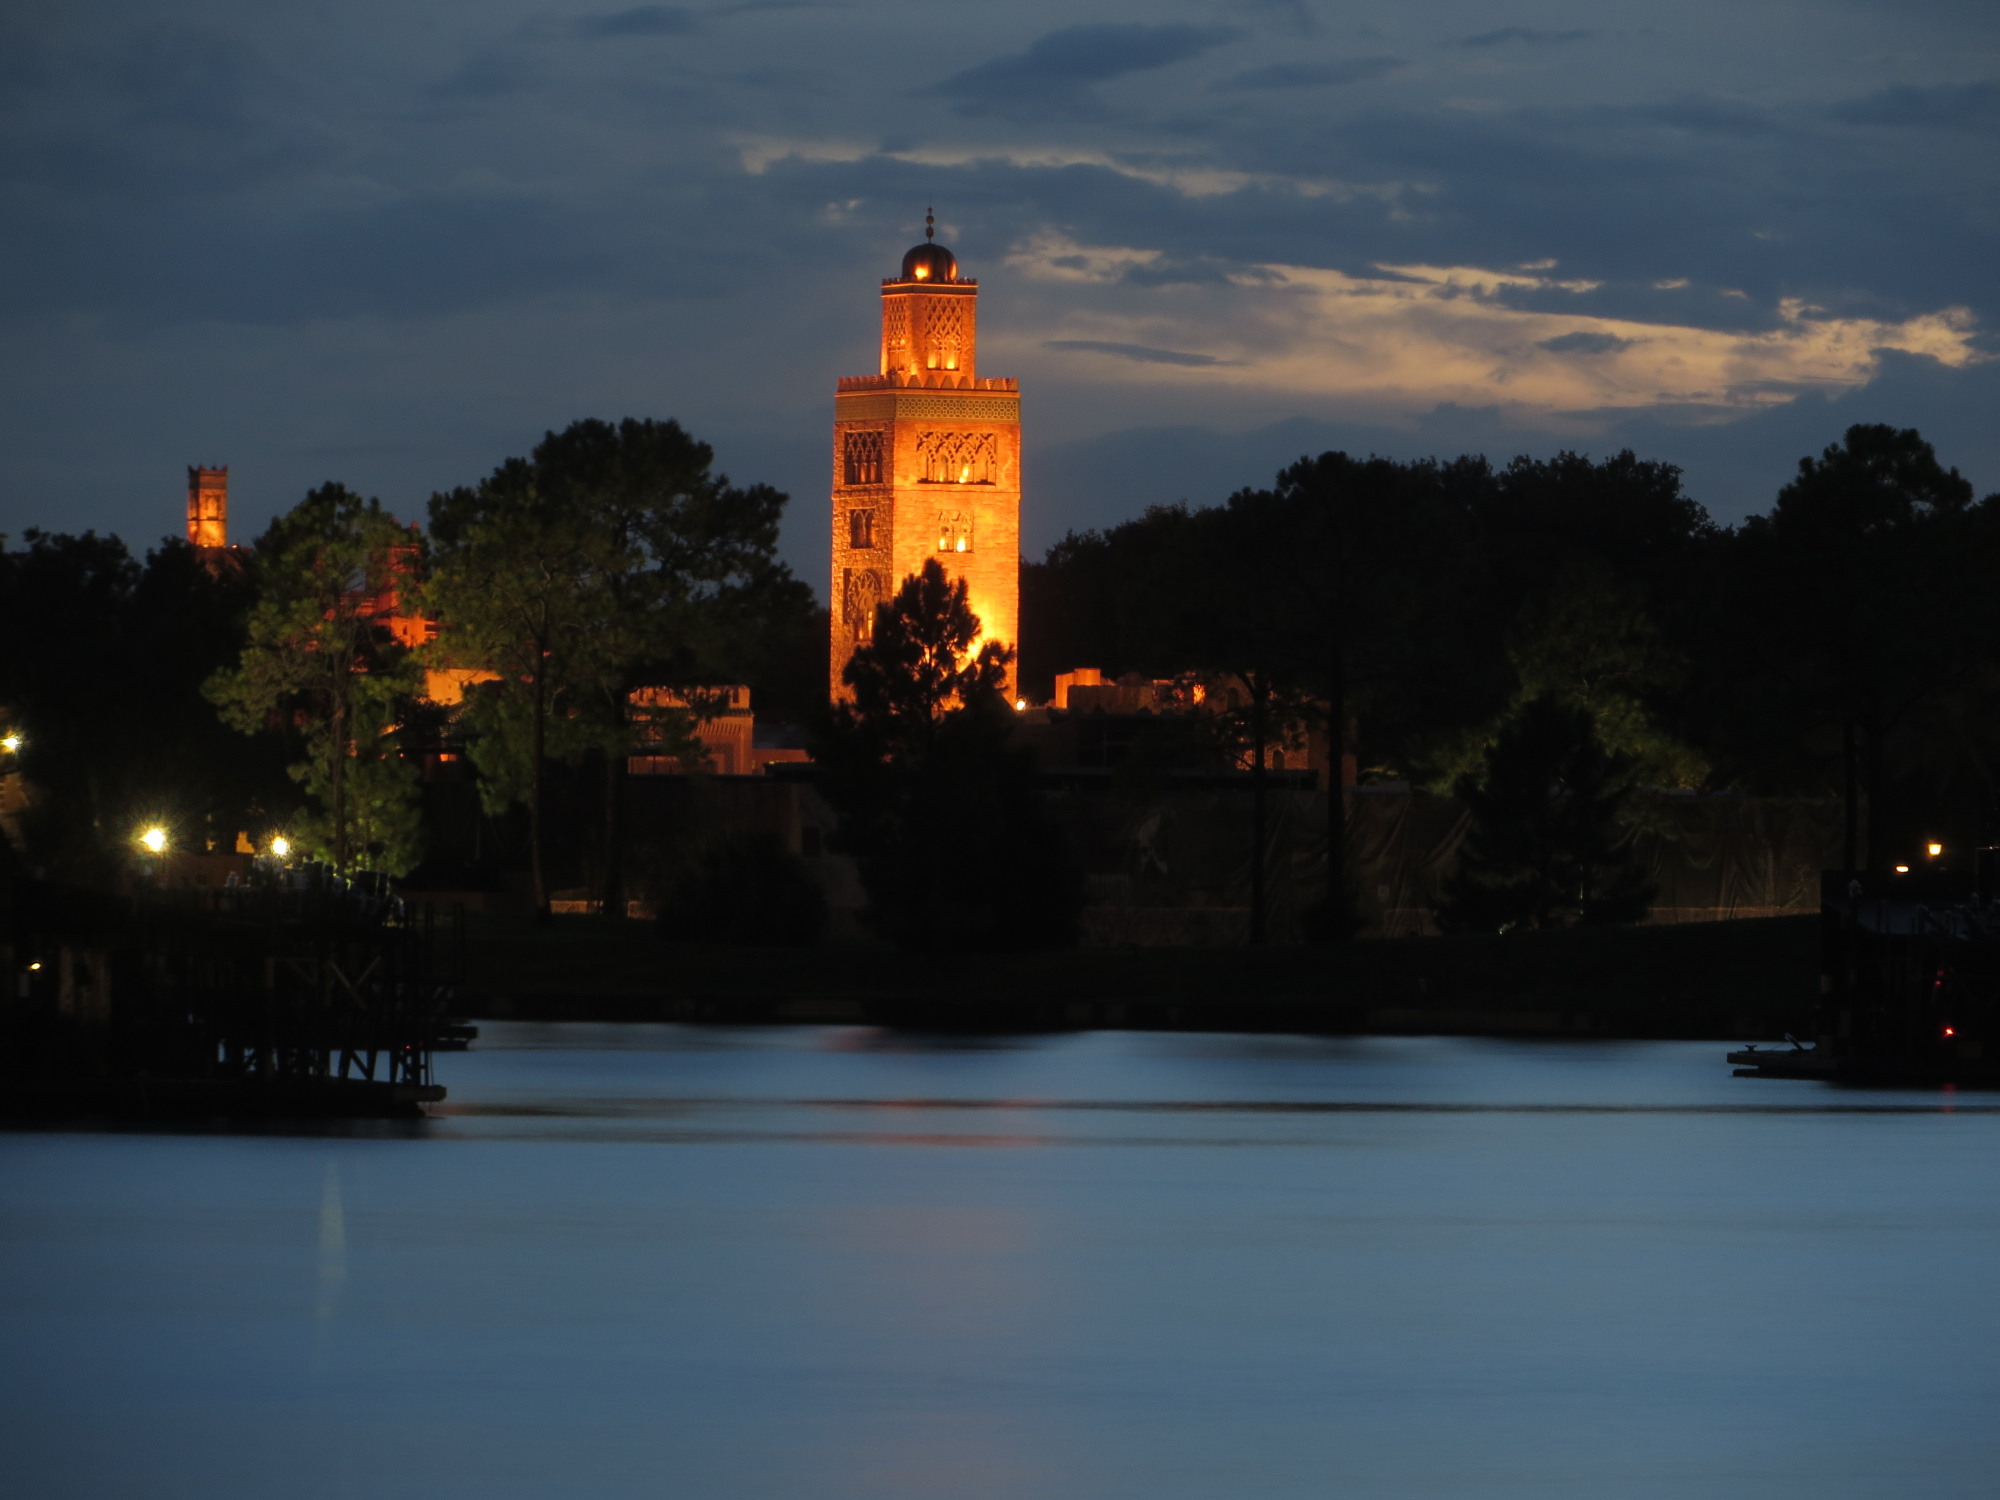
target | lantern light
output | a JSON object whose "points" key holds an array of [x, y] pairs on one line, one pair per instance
{"points": [[1934, 850], [154, 840], [281, 846], [11, 744], [1902, 869]]}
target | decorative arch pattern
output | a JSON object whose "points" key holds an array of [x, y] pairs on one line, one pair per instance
{"points": [[861, 592], [958, 457]]}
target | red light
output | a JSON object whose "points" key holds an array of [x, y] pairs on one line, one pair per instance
{"points": [[1951, 1031]]}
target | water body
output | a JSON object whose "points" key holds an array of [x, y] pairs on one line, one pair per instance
{"points": [[833, 1262]]}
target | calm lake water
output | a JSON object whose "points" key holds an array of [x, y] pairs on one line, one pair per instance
{"points": [[832, 1262]]}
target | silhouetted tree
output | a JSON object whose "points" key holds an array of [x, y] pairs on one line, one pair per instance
{"points": [[102, 679], [1864, 597], [318, 659], [955, 845], [1545, 848], [743, 887], [610, 559], [1351, 551], [1590, 643]]}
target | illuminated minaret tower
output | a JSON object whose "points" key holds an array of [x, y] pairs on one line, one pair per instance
{"points": [[208, 507], [926, 460]]}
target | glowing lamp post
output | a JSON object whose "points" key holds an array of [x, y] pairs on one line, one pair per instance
{"points": [[154, 840], [281, 847]]}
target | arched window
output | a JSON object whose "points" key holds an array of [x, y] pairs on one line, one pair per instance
{"points": [[861, 591], [954, 531], [958, 457], [861, 458], [861, 529]]}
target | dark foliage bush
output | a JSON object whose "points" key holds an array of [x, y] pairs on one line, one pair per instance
{"points": [[1546, 848], [746, 887]]}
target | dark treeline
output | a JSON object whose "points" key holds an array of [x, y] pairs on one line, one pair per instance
{"points": [[282, 690], [1555, 642], [101, 686], [1843, 645]]}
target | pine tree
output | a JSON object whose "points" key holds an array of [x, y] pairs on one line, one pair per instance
{"points": [[956, 848], [1546, 847]]}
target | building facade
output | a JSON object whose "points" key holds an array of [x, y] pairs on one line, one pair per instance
{"points": [[926, 461], [208, 507]]}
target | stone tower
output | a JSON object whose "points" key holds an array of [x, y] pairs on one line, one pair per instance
{"points": [[208, 507], [926, 460]]}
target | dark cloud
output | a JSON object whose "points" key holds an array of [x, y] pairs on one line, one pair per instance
{"points": [[1964, 106], [279, 199], [641, 20], [491, 72], [1585, 343], [1189, 270], [1766, 203], [1527, 36], [1704, 114], [1059, 70], [186, 76], [1293, 15], [1314, 75], [1144, 354]]}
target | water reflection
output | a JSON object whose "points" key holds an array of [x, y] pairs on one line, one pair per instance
{"points": [[838, 1262]]}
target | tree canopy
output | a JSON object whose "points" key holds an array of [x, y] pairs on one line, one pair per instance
{"points": [[610, 558], [102, 686], [957, 847], [320, 663]]}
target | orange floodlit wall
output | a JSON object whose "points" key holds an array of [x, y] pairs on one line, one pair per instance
{"points": [[393, 604], [926, 463], [208, 506], [723, 724]]}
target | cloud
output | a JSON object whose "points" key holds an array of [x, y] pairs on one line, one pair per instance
{"points": [[185, 76], [1058, 70], [1314, 75], [1411, 337], [491, 71], [1527, 36], [1963, 106], [1700, 113], [641, 20], [1143, 353], [1185, 173], [1293, 15], [1586, 343]]}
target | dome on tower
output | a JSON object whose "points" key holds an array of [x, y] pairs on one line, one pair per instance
{"points": [[929, 262]]}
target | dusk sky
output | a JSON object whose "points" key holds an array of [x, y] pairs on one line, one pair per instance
{"points": [[391, 244]]}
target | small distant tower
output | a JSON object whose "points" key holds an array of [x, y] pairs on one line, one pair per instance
{"points": [[926, 461], [208, 507]]}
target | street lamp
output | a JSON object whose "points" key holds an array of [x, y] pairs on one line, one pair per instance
{"points": [[280, 847], [11, 744], [154, 840]]}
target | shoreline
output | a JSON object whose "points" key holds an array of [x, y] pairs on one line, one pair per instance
{"points": [[1749, 980]]}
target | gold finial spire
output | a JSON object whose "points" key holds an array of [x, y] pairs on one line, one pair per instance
{"points": [[930, 223]]}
